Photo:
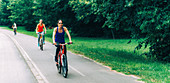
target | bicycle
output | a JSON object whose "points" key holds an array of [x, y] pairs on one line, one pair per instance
{"points": [[15, 31], [41, 41], [62, 60]]}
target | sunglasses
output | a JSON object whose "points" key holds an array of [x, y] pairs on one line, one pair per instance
{"points": [[60, 23]]}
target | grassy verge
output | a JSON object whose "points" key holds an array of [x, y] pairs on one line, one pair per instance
{"points": [[118, 55]]}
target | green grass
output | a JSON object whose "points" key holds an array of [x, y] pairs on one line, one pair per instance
{"points": [[118, 55]]}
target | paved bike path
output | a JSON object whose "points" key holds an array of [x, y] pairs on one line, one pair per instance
{"points": [[13, 68], [81, 70]]}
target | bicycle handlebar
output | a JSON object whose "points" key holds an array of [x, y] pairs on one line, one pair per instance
{"points": [[64, 44]]}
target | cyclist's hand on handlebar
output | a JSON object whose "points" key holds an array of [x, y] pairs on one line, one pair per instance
{"points": [[54, 43], [70, 42]]}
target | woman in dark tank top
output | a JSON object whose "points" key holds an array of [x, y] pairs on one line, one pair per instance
{"points": [[58, 37]]}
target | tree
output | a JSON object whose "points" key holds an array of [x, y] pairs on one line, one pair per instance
{"points": [[104, 14], [146, 19], [22, 13], [87, 22], [154, 21], [53, 10], [4, 13]]}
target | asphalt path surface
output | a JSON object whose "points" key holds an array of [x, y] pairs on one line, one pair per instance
{"points": [[13, 68], [81, 70]]}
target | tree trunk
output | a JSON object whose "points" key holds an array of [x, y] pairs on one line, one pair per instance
{"points": [[113, 36]]}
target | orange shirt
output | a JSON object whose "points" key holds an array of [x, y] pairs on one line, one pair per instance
{"points": [[40, 28]]}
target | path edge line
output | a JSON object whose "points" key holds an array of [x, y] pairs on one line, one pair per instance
{"points": [[34, 69]]}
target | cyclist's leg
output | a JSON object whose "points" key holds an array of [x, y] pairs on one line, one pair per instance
{"points": [[15, 31], [65, 50], [57, 51], [38, 38], [43, 37]]}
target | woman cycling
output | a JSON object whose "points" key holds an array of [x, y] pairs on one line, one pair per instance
{"points": [[39, 30], [14, 26], [58, 37]]}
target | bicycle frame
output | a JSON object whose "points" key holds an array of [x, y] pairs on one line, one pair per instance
{"points": [[61, 52], [40, 35]]}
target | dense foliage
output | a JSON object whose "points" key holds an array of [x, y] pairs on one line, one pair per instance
{"points": [[154, 21], [147, 19], [22, 13], [4, 13]]}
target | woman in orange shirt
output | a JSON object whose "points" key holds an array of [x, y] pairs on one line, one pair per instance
{"points": [[39, 30]]}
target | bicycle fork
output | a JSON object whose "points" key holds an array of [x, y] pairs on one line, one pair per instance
{"points": [[61, 55]]}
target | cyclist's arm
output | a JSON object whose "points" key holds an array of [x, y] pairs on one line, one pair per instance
{"points": [[44, 28], [37, 29], [54, 32], [68, 34], [13, 27], [16, 26]]}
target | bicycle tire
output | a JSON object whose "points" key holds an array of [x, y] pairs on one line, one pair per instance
{"points": [[64, 66], [59, 65], [41, 44]]}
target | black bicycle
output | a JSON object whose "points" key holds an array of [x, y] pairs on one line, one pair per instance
{"points": [[62, 65]]}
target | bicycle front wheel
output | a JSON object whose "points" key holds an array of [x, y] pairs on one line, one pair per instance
{"points": [[64, 66], [59, 65], [41, 44]]}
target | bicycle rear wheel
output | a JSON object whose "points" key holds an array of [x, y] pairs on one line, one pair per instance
{"points": [[64, 66]]}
